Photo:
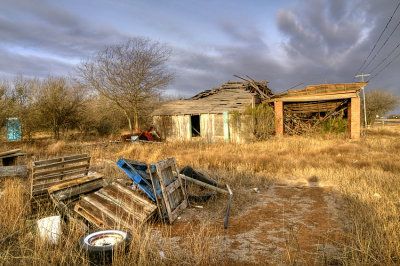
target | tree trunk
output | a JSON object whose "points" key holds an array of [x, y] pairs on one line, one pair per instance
{"points": [[136, 117], [129, 120]]}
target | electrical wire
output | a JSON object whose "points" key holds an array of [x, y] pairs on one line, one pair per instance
{"points": [[388, 64], [372, 70], [380, 36]]}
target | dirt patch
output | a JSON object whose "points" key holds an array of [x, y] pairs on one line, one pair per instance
{"points": [[289, 223]]}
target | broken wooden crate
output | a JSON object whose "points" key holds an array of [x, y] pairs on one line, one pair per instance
{"points": [[10, 165], [173, 198], [65, 195], [50, 172], [115, 206]]}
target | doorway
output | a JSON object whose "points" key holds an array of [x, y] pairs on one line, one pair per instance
{"points": [[195, 121]]}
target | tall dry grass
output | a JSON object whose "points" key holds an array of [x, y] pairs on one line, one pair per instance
{"points": [[364, 174]]}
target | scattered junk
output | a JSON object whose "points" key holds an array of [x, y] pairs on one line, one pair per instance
{"points": [[150, 135], [49, 228], [84, 197], [10, 165], [13, 129], [100, 245]]}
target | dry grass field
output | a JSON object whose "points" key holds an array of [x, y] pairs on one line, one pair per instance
{"points": [[320, 200]]}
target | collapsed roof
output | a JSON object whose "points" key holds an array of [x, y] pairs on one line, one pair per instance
{"points": [[230, 96]]}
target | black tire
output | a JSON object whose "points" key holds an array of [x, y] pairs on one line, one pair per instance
{"points": [[101, 245]]}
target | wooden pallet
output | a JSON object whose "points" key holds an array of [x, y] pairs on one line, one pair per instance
{"points": [[51, 172], [115, 206], [174, 198], [65, 195]]}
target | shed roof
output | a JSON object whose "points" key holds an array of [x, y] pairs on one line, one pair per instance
{"points": [[229, 96], [321, 92]]}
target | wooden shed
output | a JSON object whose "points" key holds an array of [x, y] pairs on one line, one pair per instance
{"points": [[206, 115], [298, 108]]}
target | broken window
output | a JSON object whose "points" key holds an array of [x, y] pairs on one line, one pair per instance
{"points": [[195, 121]]}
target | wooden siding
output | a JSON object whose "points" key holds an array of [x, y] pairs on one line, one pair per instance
{"points": [[211, 128]]}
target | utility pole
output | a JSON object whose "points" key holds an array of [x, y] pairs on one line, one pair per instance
{"points": [[365, 109]]}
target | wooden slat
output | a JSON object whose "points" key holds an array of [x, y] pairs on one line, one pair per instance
{"points": [[79, 189], [42, 188], [12, 155], [5, 153], [61, 170], [58, 164], [175, 197], [59, 159], [93, 213], [75, 182], [59, 176], [15, 170]]}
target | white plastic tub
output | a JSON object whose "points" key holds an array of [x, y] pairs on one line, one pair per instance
{"points": [[50, 228]]}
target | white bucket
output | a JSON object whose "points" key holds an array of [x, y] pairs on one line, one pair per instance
{"points": [[50, 228]]}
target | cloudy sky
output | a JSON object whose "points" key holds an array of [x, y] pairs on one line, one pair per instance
{"points": [[284, 42]]}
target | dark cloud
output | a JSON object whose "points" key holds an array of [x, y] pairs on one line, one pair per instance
{"points": [[322, 39]]}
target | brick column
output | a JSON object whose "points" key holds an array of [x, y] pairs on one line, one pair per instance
{"points": [[355, 118], [278, 118]]}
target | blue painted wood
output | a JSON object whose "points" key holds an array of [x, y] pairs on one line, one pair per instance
{"points": [[136, 171], [13, 129], [226, 126]]}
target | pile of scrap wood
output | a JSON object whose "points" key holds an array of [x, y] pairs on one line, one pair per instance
{"points": [[86, 197], [304, 118], [249, 84], [10, 166]]}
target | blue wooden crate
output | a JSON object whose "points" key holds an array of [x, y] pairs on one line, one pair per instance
{"points": [[137, 172]]}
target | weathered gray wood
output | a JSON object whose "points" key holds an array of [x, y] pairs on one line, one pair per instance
{"points": [[115, 205], [57, 164], [59, 159], [5, 153], [16, 170], [81, 187], [220, 190], [173, 192], [60, 170]]}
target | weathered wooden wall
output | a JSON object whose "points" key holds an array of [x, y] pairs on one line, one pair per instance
{"points": [[178, 127]]}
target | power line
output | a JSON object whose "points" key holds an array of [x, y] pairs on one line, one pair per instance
{"points": [[380, 36], [387, 39], [398, 45], [388, 64]]}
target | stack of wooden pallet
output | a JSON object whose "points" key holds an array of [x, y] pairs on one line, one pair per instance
{"points": [[10, 165]]}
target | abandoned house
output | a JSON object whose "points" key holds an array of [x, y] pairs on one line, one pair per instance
{"points": [[299, 111], [207, 114]]}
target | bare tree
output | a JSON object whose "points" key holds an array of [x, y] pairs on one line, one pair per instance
{"points": [[59, 104], [380, 102], [128, 74], [24, 104]]}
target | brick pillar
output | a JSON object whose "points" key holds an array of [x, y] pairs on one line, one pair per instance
{"points": [[355, 118], [278, 118]]}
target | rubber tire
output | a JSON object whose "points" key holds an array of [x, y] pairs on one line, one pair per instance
{"points": [[103, 254]]}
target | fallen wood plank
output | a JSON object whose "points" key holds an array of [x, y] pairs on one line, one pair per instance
{"points": [[203, 184], [5, 153], [57, 164], [79, 189], [74, 182], [15, 170], [59, 159]]}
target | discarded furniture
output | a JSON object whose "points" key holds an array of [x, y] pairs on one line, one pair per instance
{"points": [[115, 206], [164, 175], [10, 166], [50, 172]]}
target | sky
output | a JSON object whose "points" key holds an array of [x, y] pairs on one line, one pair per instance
{"points": [[285, 42]]}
